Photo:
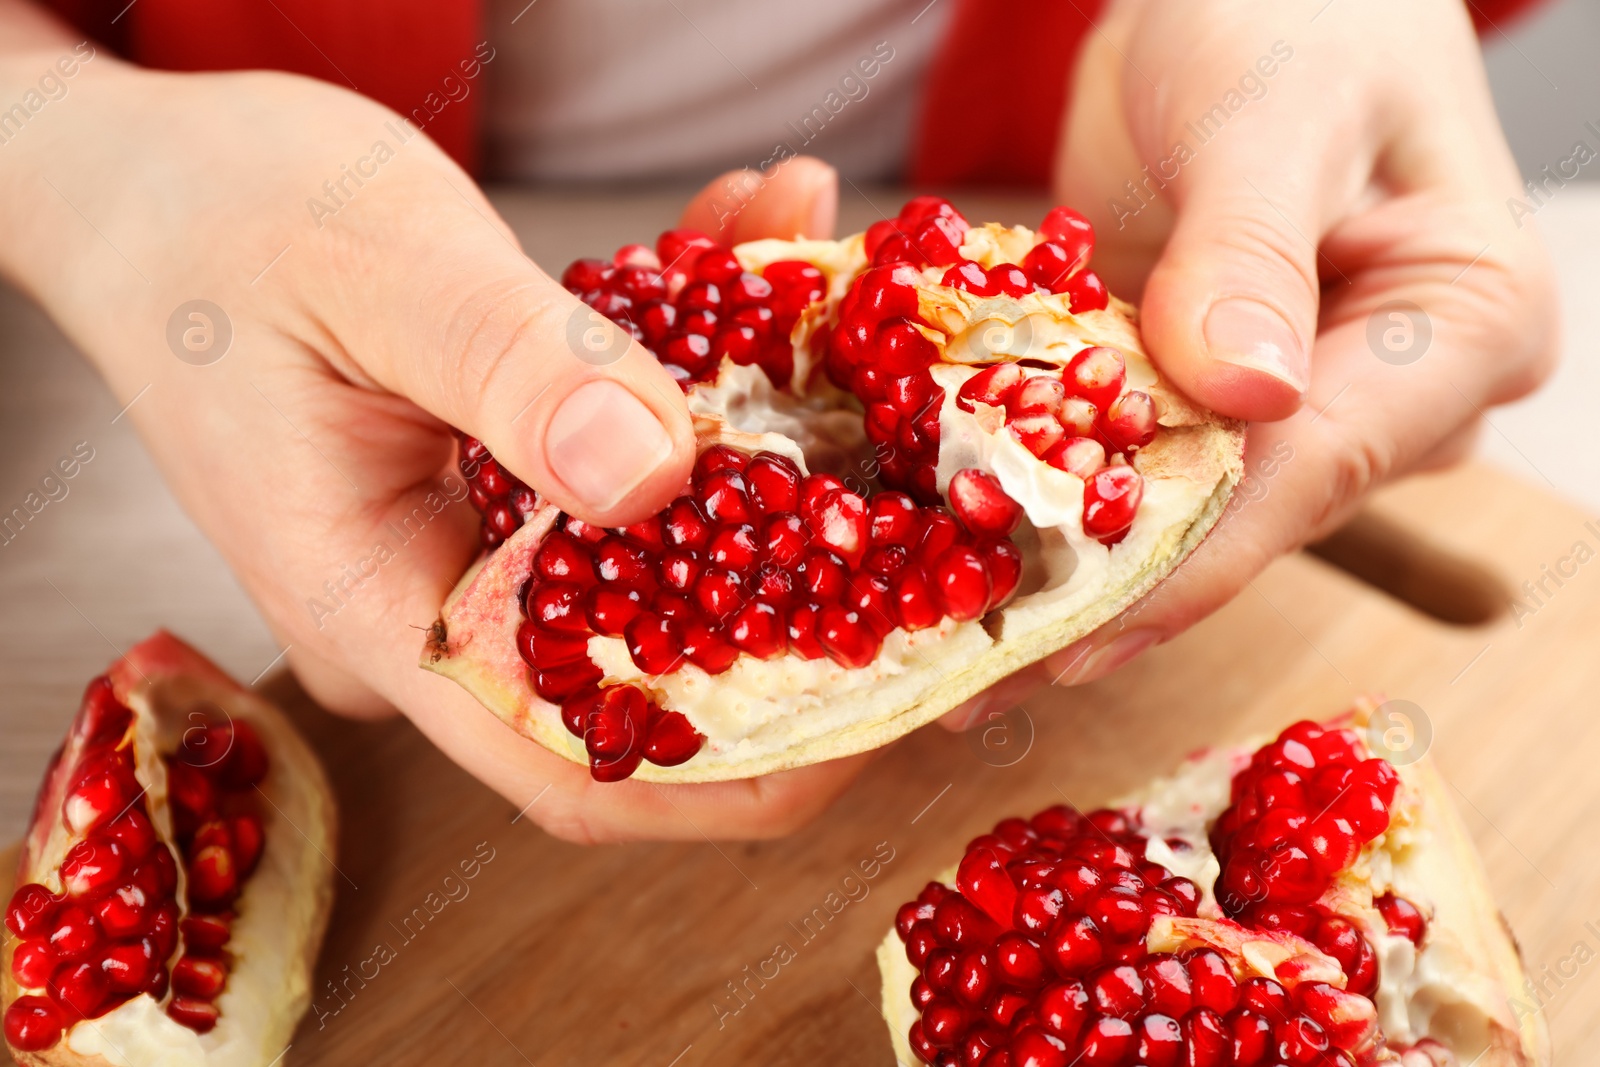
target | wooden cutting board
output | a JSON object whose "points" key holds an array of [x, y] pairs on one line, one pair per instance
{"points": [[676, 955]]}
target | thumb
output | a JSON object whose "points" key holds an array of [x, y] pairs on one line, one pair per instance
{"points": [[457, 320], [1230, 310]]}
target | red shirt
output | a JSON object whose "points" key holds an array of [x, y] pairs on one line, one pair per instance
{"points": [[399, 52]]}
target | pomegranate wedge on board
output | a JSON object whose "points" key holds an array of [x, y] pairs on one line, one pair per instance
{"points": [[176, 881], [931, 454], [1302, 903]]}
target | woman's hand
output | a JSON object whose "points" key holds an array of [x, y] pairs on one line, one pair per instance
{"points": [[1312, 199], [374, 298]]}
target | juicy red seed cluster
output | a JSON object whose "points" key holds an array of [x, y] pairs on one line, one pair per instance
{"points": [[877, 353], [1074, 421], [1038, 959], [497, 494], [111, 932], [757, 560], [692, 304], [1301, 812]]}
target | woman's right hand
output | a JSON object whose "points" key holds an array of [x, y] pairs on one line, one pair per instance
{"points": [[362, 296]]}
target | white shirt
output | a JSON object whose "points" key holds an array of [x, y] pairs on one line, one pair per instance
{"points": [[624, 89]]}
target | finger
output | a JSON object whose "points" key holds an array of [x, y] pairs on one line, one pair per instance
{"points": [[448, 313], [800, 198], [1230, 310], [995, 700]]}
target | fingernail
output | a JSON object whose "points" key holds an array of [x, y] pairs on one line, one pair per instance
{"points": [[1097, 661], [603, 443], [1248, 333]]}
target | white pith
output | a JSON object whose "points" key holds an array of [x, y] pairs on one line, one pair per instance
{"points": [[280, 913], [1444, 990]]}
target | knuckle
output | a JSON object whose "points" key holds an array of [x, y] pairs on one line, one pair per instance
{"points": [[483, 351], [1357, 463]]}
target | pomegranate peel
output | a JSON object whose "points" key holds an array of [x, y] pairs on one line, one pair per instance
{"points": [[1444, 993], [994, 512], [151, 974]]}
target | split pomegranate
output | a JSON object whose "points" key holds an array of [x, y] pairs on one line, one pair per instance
{"points": [[910, 441], [1070, 938], [149, 830]]}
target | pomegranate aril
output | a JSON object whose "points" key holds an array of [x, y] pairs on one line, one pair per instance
{"points": [[33, 961], [1111, 499], [92, 867], [99, 795], [33, 1024], [198, 1015], [992, 386], [846, 637], [982, 506], [80, 988], [205, 934], [653, 643], [1130, 421], [31, 910], [1037, 433], [1048, 264], [962, 583], [706, 646], [671, 740], [609, 611], [915, 603], [1097, 375], [213, 876], [1402, 917], [1086, 292]]}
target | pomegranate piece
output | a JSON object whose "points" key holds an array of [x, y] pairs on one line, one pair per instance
{"points": [[111, 932], [1110, 501], [1044, 951]]}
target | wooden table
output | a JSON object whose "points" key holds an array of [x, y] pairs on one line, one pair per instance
{"points": [[653, 953]]}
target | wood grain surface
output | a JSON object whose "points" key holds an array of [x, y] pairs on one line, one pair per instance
{"points": [[675, 955]]}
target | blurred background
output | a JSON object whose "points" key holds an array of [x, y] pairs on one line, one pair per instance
{"points": [[1547, 86]]}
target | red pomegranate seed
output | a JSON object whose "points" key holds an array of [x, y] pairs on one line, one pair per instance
{"points": [[92, 868], [105, 788], [1081, 456], [33, 1024], [198, 976], [205, 934], [983, 507], [75, 932], [1131, 421], [556, 684], [552, 648], [846, 637], [32, 962], [838, 520], [1086, 292], [993, 386], [802, 631], [1037, 433], [1072, 230], [124, 911], [608, 611], [1110, 501], [1038, 1048], [706, 646], [213, 876], [654, 644], [1078, 417], [32, 910], [1097, 375], [915, 604], [80, 988], [1403, 917], [198, 1015], [1041, 394], [971, 277], [671, 740], [962, 583], [1048, 263], [1010, 279]]}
